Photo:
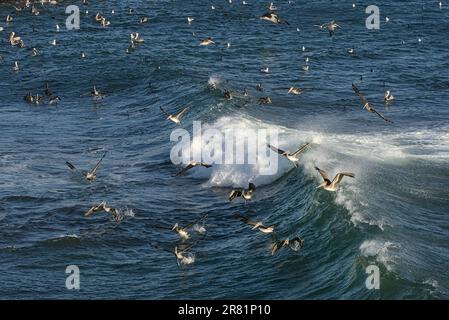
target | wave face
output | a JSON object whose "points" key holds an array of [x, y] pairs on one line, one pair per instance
{"points": [[391, 215]]}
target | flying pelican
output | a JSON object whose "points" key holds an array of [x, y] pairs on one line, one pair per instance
{"points": [[332, 185], [273, 17], [256, 225], [295, 244], [89, 175], [176, 118], [245, 194], [103, 207], [34, 52], [293, 157], [331, 27], [183, 232], [295, 90], [193, 164], [388, 97], [367, 105], [190, 19], [206, 42]]}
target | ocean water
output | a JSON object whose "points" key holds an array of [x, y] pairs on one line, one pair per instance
{"points": [[394, 214]]}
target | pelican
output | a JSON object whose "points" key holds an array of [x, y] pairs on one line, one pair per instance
{"points": [[272, 7], [97, 94], [16, 66], [89, 175], [104, 22], [265, 70], [57, 27], [143, 19], [257, 225], [295, 90], [34, 11], [259, 87], [227, 94], [264, 100], [273, 17], [135, 38], [193, 164], [9, 18], [332, 185], [295, 244], [206, 42], [190, 19], [54, 100], [98, 17], [367, 105], [38, 99], [53, 42], [293, 157], [183, 257], [245, 194], [176, 118], [34, 52], [351, 51], [29, 98], [331, 27], [388, 97], [13, 39], [183, 232], [305, 67], [103, 207]]}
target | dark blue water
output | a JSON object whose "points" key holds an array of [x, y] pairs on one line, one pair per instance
{"points": [[394, 214]]}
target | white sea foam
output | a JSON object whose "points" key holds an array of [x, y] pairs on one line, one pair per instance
{"points": [[379, 250]]}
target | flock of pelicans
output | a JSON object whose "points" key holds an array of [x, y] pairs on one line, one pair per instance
{"points": [[182, 249]]}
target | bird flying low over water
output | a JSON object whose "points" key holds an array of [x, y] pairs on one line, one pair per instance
{"points": [[193, 164], [90, 175], [332, 185], [295, 244], [293, 157], [367, 105], [183, 232], [273, 17], [245, 194], [256, 225], [331, 27], [103, 207], [97, 94], [206, 42], [264, 100], [176, 118]]}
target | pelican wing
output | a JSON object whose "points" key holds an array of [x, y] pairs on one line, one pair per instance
{"points": [[323, 174], [276, 149], [360, 95], [251, 187], [181, 114], [94, 170], [234, 194], [247, 221], [381, 115], [206, 165], [164, 112], [340, 176], [187, 168], [301, 149], [71, 166]]}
